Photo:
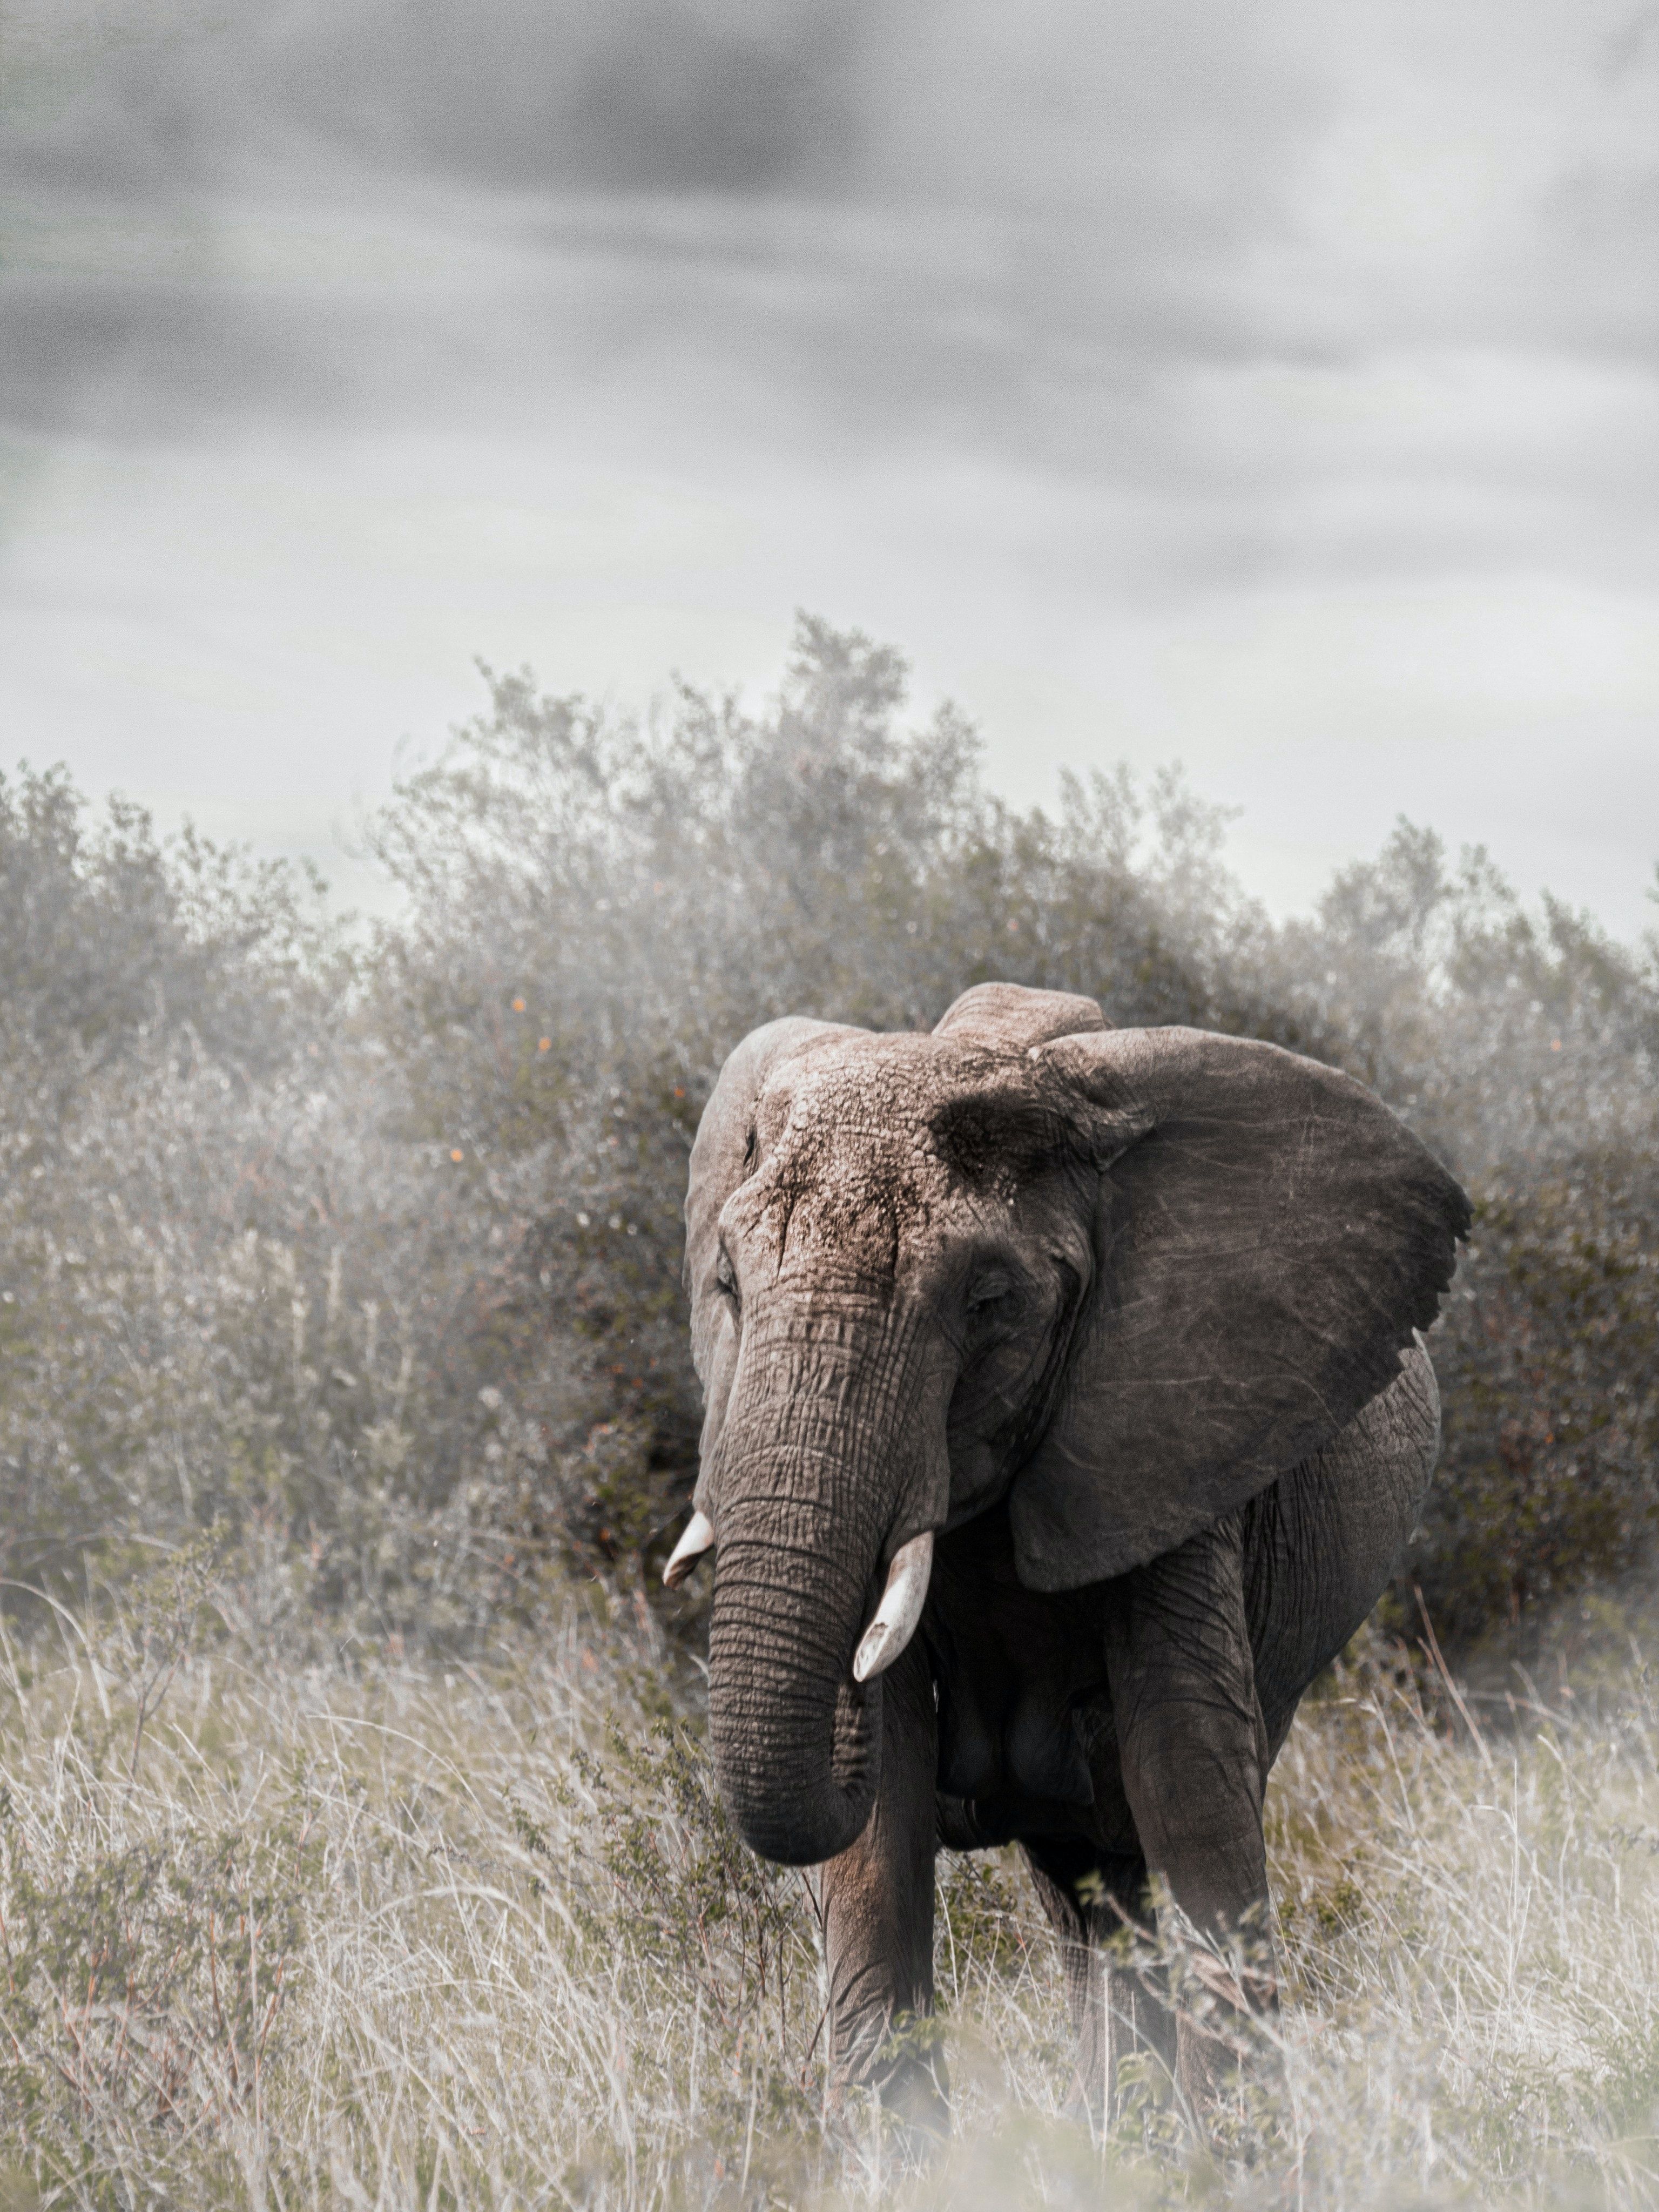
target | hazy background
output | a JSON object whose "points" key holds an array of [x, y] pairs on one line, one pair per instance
{"points": [[1271, 389]]}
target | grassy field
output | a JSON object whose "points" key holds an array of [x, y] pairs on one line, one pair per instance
{"points": [[342, 1309], [480, 1936]]}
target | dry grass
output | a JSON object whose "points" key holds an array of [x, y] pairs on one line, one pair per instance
{"points": [[481, 1937]]}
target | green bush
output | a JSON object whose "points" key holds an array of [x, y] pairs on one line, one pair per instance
{"points": [[363, 1251]]}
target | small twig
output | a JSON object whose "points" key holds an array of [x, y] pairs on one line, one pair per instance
{"points": [[170, 2076], [86, 2009], [127, 2024], [270, 2010], [253, 2002], [813, 2044], [218, 2009], [73, 2079], [149, 1701], [748, 2139]]}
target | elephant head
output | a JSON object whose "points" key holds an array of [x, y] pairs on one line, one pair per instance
{"points": [[1121, 1279]]}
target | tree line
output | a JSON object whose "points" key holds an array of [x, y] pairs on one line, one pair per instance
{"points": [[356, 1252]]}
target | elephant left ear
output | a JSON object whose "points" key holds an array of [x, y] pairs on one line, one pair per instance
{"points": [[1267, 1240]]}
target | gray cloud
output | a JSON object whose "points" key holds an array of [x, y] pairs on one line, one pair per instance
{"points": [[1323, 330], [911, 224], [1064, 193], [633, 95], [648, 96]]}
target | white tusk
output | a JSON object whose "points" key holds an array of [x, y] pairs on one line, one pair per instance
{"points": [[900, 1609], [699, 1536]]}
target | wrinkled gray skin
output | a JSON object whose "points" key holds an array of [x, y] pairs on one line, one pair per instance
{"points": [[1127, 1318]]}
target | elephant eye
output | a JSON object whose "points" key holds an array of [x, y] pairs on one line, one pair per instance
{"points": [[725, 1279], [988, 1290]]}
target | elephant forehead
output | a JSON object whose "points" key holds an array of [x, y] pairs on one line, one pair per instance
{"points": [[848, 1166], [860, 1118], [861, 1088]]}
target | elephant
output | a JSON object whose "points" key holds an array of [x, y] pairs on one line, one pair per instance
{"points": [[1066, 1412]]}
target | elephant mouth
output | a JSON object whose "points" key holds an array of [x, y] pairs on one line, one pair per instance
{"points": [[794, 1713], [896, 1618], [798, 1768]]}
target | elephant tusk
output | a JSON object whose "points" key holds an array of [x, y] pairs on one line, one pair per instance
{"points": [[900, 1609], [699, 1536]]}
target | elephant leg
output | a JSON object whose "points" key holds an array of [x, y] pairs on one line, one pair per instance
{"points": [[876, 1908], [1194, 1757], [1089, 1898]]}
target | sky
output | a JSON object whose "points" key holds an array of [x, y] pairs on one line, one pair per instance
{"points": [[1275, 389]]}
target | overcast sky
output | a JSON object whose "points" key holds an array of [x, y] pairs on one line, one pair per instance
{"points": [[1273, 388]]}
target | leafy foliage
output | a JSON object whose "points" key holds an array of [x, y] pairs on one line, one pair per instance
{"points": [[367, 1252]]}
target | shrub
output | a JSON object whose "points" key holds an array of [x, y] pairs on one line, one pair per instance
{"points": [[364, 1252]]}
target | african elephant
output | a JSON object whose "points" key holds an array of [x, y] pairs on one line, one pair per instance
{"points": [[1066, 1415]]}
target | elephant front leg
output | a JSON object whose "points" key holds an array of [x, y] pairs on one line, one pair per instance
{"points": [[1093, 1898], [1194, 1752], [876, 1908]]}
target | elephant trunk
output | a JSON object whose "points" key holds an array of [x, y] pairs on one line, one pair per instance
{"points": [[817, 1477], [796, 1741]]}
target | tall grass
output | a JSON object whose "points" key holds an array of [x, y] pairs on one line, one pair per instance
{"points": [[481, 1935]]}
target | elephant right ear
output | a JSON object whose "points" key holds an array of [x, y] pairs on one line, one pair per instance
{"points": [[720, 1159], [1268, 1237]]}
